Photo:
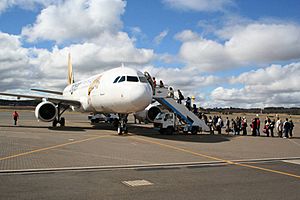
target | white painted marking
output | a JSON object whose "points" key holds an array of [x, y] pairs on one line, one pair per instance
{"points": [[136, 183], [292, 141], [140, 166], [71, 139], [297, 162]]}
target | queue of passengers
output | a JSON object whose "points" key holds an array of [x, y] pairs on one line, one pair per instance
{"points": [[238, 126]]}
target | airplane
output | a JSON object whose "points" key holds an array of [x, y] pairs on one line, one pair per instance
{"points": [[121, 90]]}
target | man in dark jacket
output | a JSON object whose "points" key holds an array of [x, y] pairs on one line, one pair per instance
{"points": [[286, 128]]}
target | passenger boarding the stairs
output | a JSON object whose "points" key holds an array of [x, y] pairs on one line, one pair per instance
{"points": [[171, 93], [180, 97]]}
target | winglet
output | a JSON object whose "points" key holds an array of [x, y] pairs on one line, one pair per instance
{"points": [[70, 71]]}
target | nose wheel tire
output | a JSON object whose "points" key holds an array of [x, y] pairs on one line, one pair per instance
{"points": [[122, 124], [54, 123], [62, 121], [119, 131]]}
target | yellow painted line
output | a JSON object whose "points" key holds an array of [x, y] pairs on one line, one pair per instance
{"points": [[214, 158], [268, 170], [52, 147]]}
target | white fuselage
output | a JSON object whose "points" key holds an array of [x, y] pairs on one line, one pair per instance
{"points": [[108, 94]]}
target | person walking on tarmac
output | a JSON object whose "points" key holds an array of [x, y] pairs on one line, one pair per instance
{"points": [[15, 117]]}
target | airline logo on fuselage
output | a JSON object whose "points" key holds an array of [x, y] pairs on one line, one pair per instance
{"points": [[94, 85]]}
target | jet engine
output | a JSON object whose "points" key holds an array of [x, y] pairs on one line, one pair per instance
{"points": [[147, 115], [46, 111]]}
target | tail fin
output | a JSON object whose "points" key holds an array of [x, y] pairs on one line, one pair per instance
{"points": [[70, 71]]}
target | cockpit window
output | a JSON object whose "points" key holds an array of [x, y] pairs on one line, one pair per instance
{"points": [[132, 79], [143, 79], [116, 80], [122, 79]]}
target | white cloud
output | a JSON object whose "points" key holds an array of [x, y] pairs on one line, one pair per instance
{"points": [[199, 5], [273, 86], [104, 53], [189, 81], [265, 43], [136, 30], [31, 67], [158, 39], [15, 68], [205, 55], [187, 35], [3, 5], [252, 44], [76, 20], [167, 58], [26, 4]]}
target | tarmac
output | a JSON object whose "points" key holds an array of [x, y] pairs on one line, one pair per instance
{"points": [[81, 161]]}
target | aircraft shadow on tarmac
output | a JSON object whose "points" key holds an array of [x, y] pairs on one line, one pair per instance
{"points": [[66, 128], [139, 130], [199, 138]]}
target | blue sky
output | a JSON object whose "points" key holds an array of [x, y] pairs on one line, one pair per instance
{"points": [[216, 50]]}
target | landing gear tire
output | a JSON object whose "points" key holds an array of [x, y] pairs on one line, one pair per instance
{"points": [[122, 124], [115, 123], [120, 131], [125, 130], [62, 122], [54, 123]]}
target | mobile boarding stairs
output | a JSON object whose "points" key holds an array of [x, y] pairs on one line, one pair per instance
{"points": [[188, 117]]}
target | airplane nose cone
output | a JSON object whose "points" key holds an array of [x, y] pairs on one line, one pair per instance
{"points": [[140, 97]]}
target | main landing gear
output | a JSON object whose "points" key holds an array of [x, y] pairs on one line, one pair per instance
{"points": [[60, 120], [122, 125]]}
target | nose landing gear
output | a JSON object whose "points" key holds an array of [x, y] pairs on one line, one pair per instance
{"points": [[122, 125]]}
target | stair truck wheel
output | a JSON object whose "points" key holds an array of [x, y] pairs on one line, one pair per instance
{"points": [[162, 131], [169, 130], [194, 130]]}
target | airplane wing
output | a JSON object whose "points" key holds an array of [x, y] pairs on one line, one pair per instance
{"points": [[47, 91], [62, 100]]}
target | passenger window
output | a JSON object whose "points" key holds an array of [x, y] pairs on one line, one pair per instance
{"points": [[122, 79], [132, 79], [116, 80], [143, 79]]}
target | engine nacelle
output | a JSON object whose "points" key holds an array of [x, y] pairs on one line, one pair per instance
{"points": [[46, 111], [147, 115]]}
